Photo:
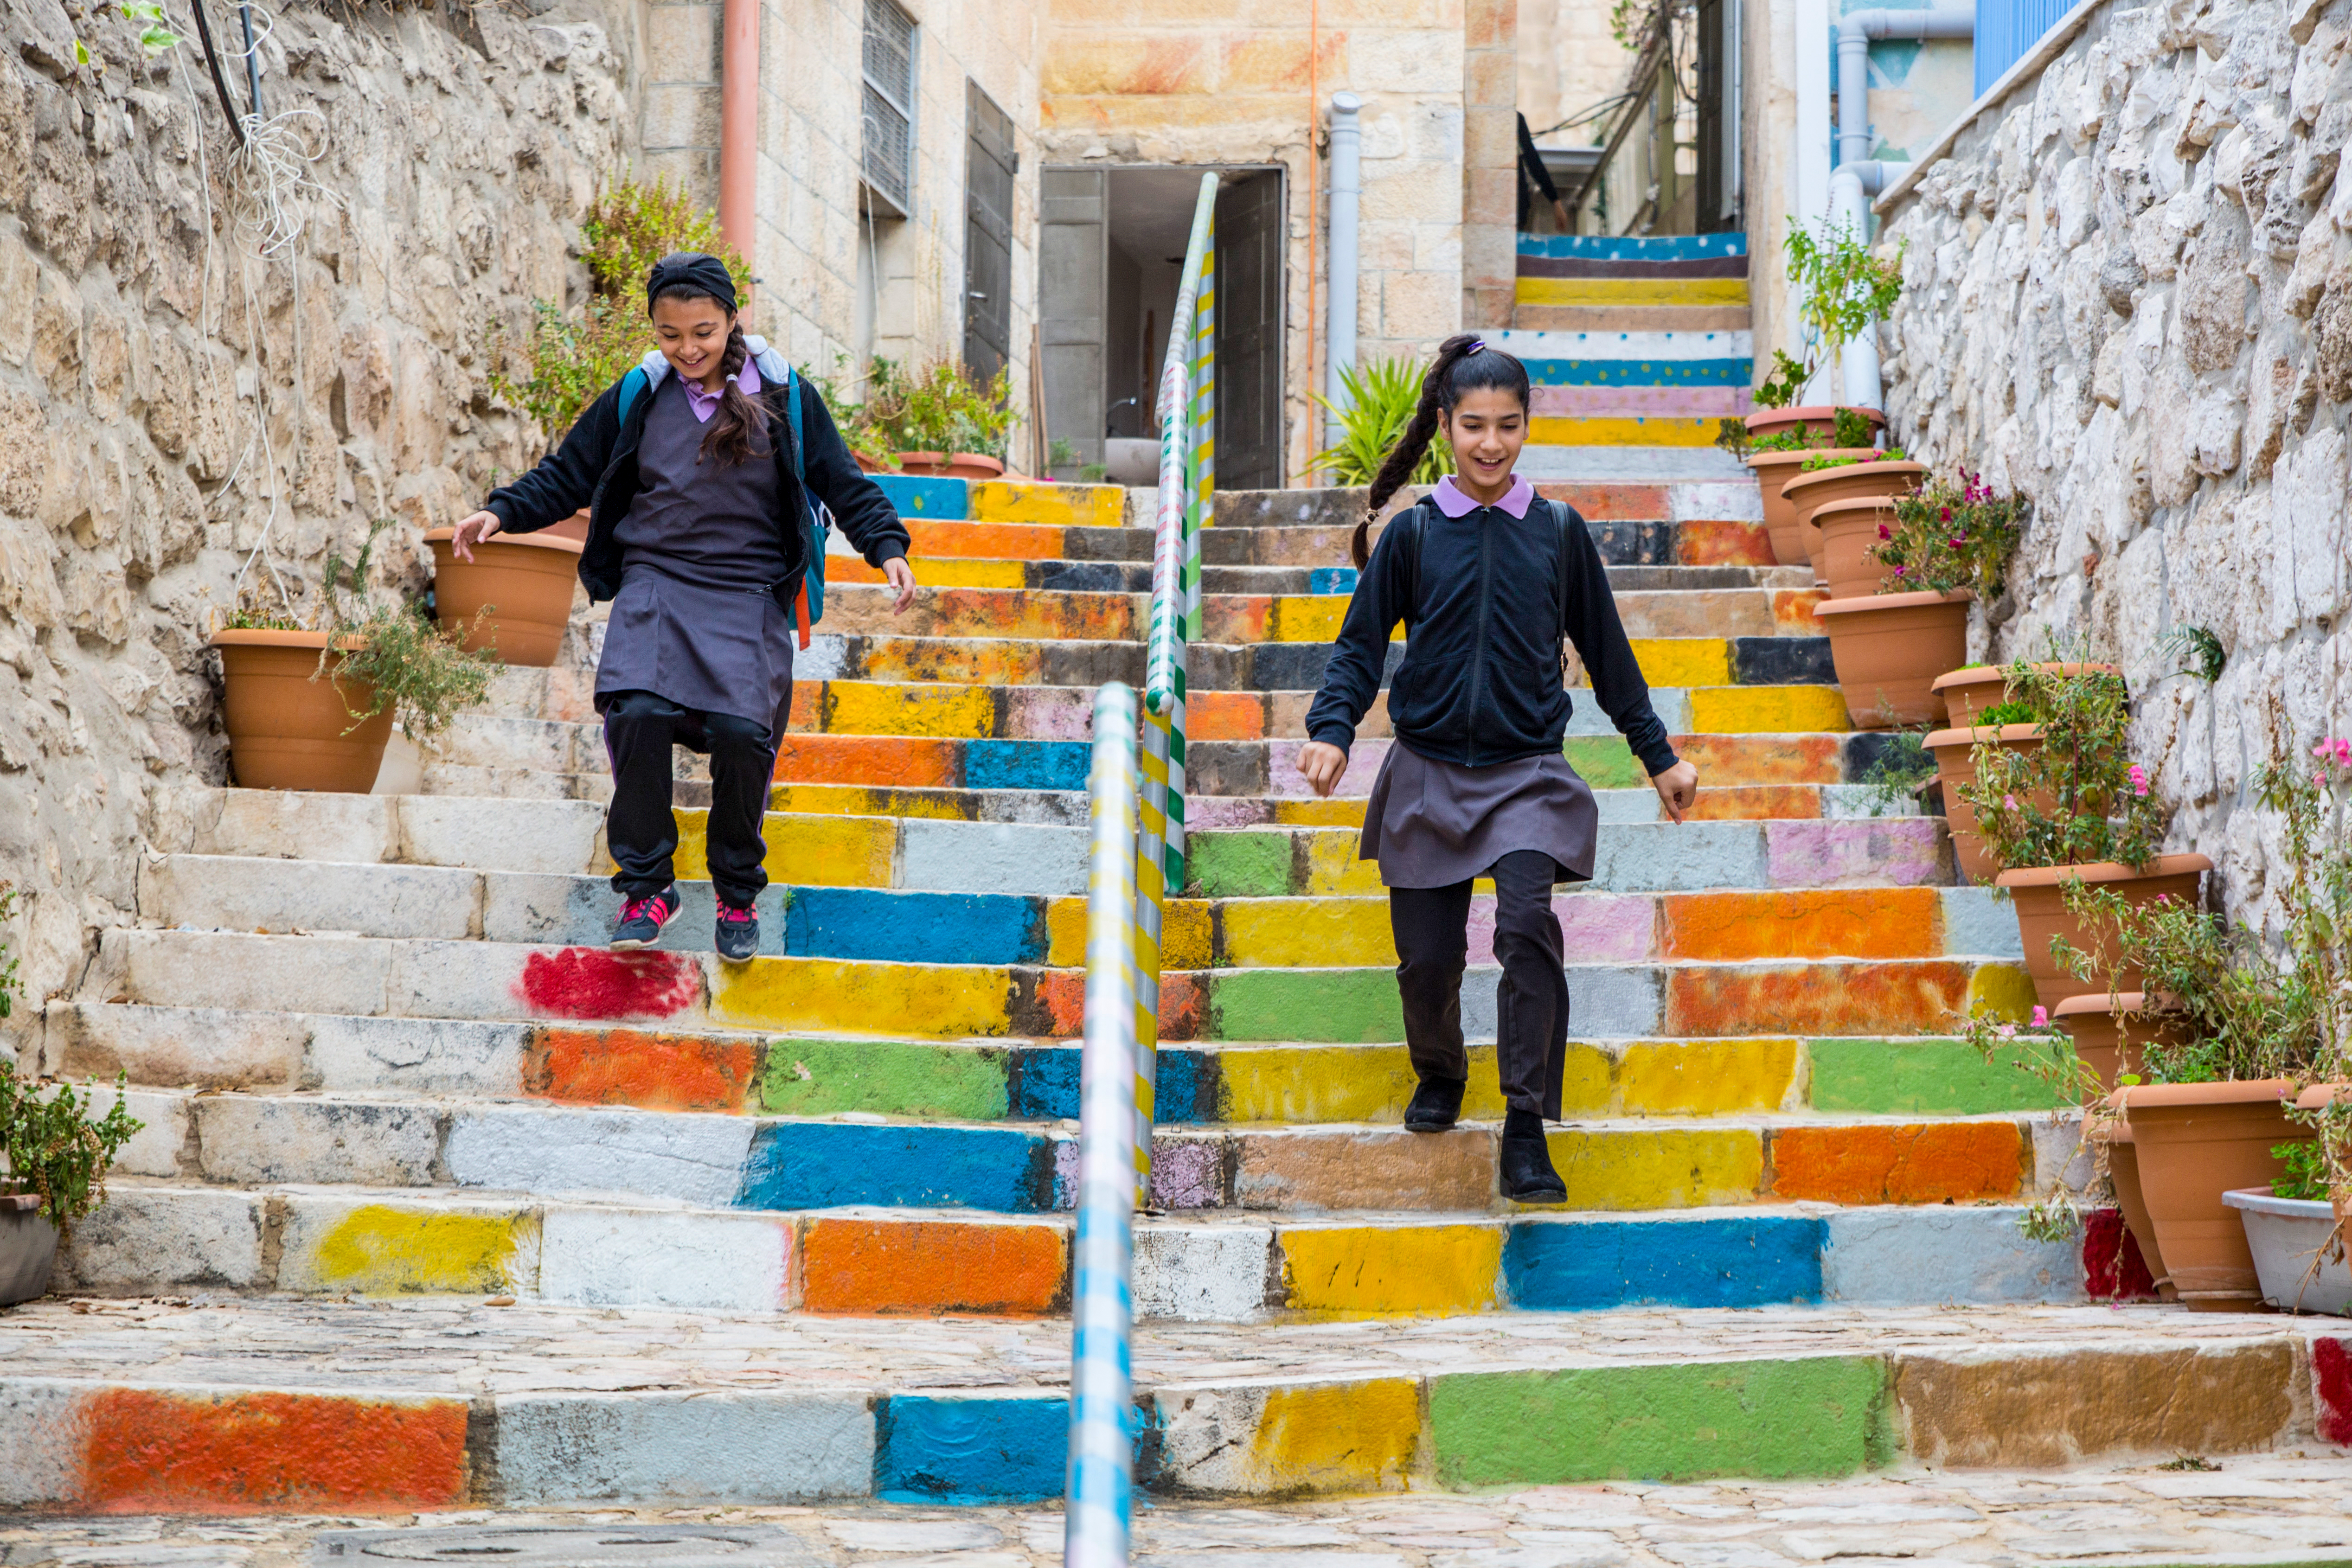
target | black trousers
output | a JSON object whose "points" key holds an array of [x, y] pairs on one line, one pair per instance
{"points": [[639, 730], [1432, 925]]}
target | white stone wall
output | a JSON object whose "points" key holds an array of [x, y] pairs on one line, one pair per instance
{"points": [[167, 396], [2128, 296]]}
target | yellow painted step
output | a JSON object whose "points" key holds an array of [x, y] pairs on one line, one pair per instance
{"points": [[1557, 291], [1598, 429], [1026, 501]]}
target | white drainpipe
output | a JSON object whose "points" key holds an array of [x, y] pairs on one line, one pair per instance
{"points": [[1855, 30], [1347, 191], [1850, 188]]}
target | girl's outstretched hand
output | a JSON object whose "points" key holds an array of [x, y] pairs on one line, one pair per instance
{"points": [[1322, 763], [900, 577], [1677, 787], [473, 531]]}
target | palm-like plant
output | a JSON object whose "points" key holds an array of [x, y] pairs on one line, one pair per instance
{"points": [[1382, 396]]}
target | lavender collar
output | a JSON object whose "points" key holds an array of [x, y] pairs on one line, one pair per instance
{"points": [[1454, 504], [706, 404]]}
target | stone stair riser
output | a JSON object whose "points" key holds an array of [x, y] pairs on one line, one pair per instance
{"points": [[162, 1240], [911, 925], [921, 498], [127, 1446], [678, 1069]]}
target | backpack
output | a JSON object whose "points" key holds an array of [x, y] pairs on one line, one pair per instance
{"points": [[817, 522]]}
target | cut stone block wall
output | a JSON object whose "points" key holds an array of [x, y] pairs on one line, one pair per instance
{"points": [[2128, 296], [170, 398]]}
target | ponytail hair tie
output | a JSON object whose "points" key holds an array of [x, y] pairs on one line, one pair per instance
{"points": [[1477, 348]]}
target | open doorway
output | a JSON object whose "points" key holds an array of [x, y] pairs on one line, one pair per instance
{"points": [[1111, 258]]}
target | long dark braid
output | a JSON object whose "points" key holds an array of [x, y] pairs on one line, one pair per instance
{"points": [[1464, 363], [738, 424]]}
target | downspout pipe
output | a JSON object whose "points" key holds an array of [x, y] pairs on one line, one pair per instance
{"points": [[738, 123], [1855, 31], [1347, 200], [1851, 187]]}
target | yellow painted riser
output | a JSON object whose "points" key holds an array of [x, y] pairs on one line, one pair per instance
{"points": [[1562, 430], [1633, 291], [935, 571]]}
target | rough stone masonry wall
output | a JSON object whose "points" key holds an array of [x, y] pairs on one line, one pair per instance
{"points": [[153, 419], [2128, 296]]}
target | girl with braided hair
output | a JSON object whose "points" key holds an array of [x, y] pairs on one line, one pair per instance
{"points": [[1486, 579], [699, 482]]}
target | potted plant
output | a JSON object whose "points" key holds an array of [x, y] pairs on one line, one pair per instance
{"points": [[1776, 457], [1943, 547], [936, 418], [53, 1155], [1382, 396], [2292, 1233], [1824, 477], [513, 598], [1844, 288], [312, 706]]}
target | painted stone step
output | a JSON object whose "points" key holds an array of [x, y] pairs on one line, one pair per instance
{"points": [[1136, 577], [562, 837], [417, 977], [779, 1164], [801, 1075], [1340, 506], [906, 926], [1753, 802], [279, 1404], [157, 1240], [1015, 501]]}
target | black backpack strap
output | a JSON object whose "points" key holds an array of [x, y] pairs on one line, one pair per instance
{"points": [[1562, 516]]}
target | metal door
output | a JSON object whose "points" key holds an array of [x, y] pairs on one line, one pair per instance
{"points": [[1073, 267], [1249, 332], [989, 167]]}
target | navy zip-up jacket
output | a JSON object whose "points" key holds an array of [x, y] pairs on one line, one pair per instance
{"points": [[596, 467], [1484, 608]]}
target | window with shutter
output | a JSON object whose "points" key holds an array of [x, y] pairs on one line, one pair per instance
{"points": [[889, 111]]}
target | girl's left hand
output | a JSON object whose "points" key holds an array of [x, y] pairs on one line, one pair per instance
{"points": [[901, 577], [1677, 788]]}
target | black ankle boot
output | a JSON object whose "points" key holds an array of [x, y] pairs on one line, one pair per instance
{"points": [[1436, 1105], [1527, 1175]]}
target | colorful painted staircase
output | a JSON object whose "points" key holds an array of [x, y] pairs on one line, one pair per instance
{"points": [[388, 1071]]}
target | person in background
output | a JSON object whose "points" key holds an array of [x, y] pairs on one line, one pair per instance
{"points": [[699, 534], [1486, 579], [1535, 178]]}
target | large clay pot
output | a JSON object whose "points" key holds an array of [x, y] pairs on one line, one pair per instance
{"points": [[288, 731], [1849, 531], [1889, 648], [525, 580], [2123, 1170], [950, 465], [2196, 1142], [2038, 893], [1817, 418], [574, 527], [1954, 752], [1969, 692], [2112, 1045], [1808, 492], [1774, 469]]}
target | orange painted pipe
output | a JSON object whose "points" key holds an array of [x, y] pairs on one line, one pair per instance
{"points": [[738, 123]]}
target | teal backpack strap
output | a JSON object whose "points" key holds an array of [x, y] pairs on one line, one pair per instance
{"points": [[632, 386], [809, 605]]}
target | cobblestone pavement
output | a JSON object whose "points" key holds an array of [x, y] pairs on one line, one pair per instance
{"points": [[459, 1345], [2271, 1509]]}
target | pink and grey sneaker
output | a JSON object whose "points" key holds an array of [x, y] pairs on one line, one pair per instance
{"points": [[642, 919], [738, 933]]}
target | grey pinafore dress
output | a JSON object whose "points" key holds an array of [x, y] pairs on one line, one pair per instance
{"points": [[1431, 823], [697, 620]]}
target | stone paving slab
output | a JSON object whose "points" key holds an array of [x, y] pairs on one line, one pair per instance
{"points": [[2250, 1510]]}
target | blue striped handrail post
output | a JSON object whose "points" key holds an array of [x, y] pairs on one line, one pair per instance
{"points": [[1102, 1422], [1187, 467]]}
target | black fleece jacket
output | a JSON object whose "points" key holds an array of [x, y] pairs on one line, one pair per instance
{"points": [[596, 467], [1484, 597]]}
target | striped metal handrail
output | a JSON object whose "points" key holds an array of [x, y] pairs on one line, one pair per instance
{"points": [[1137, 798]]}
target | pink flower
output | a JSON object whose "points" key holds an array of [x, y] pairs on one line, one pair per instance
{"points": [[2343, 753], [2009, 802], [2323, 750], [1946, 516], [2041, 1018], [2139, 781], [2006, 1031], [1901, 571], [1884, 532]]}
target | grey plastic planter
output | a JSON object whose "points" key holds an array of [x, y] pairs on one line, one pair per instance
{"points": [[28, 1249], [2286, 1233]]}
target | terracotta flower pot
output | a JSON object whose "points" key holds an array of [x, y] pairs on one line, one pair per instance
{"points": [[1954, 752], [286, 731], [950, 465], [1969, 692], [574, 527], [525, 580], [1774, 469], [2111, 1047], [2123, 1170], [1817, 418], [1849, 531], [2038, 893], [1889, 648], [1809, 492], [2196, 1142]]}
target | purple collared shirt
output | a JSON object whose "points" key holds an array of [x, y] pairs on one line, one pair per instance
{"points": [[1454, 504], [706, 404]]}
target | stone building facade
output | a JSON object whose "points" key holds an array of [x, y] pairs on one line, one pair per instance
{"points": [[2128, 296]]}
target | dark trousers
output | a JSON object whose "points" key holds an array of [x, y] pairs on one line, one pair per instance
{"points": [[1432, 925], [640, 831]]}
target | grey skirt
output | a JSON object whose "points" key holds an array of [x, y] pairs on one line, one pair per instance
{"points": [[1432, 824], [709, 650]]}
